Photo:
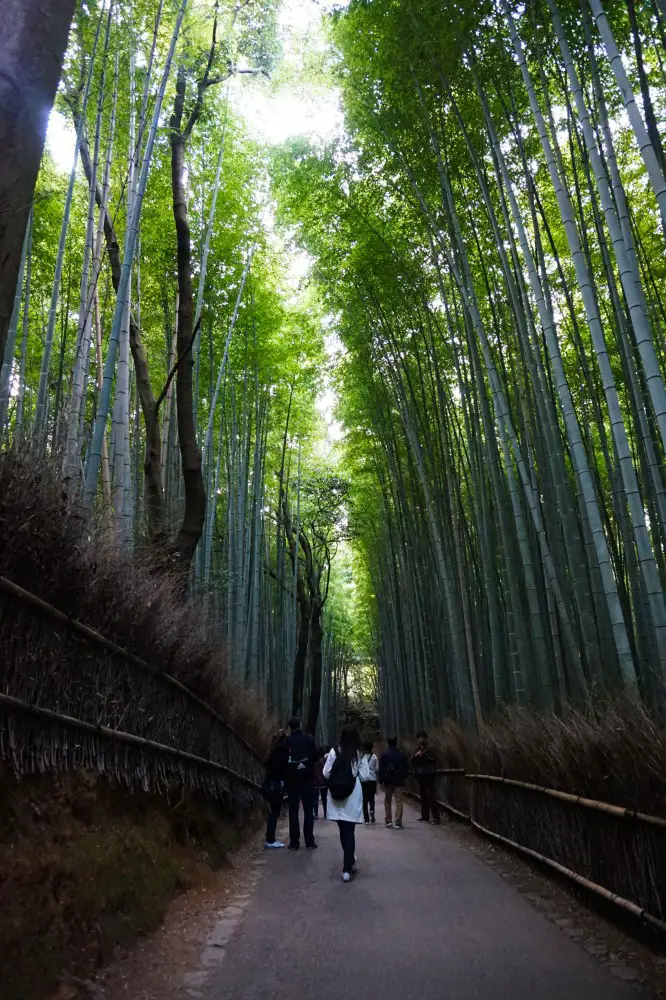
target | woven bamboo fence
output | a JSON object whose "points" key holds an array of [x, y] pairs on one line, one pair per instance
{"points": [[70, 699], [616, 853]]}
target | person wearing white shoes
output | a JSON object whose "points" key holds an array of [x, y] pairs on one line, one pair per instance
{"points": [[345, 769], [273, 786], [369, 784]]}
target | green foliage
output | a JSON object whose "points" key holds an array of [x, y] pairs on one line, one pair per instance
{"points": [[469, 508], [497, 508]]}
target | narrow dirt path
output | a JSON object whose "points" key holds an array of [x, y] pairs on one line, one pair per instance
{"points": [[424, 918]]}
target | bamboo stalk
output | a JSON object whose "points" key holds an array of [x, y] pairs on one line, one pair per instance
{"points": [[6, 365], [42, 391], [122, 295], [106, 477]]}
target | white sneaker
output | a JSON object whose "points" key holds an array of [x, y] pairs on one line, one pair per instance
{"points": [[276, 843], [346, 877]]}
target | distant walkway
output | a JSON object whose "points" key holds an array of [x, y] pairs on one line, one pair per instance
{"points": [[423, 920]]}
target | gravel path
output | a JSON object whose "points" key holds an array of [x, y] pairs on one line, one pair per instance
{"points": [[423, 919]]}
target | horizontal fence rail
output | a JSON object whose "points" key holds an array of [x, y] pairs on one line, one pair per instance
{"points": [[619, 811], [615, 852], [116, 734], [452, 792], [95, 637], [70, 698]]}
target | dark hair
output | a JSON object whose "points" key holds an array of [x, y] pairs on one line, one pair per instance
{"points": [[367, 746], [278, 736], [392, 741], [422, 735], [350, 743], [294, 722], [321, 752]]}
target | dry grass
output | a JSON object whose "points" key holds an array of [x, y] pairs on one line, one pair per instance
{"points": [[48, 545], [614, 752], [452, 746]]}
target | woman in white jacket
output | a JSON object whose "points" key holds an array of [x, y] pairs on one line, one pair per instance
{"points": [[347, 812]]}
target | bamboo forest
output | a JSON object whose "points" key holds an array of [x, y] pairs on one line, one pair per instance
{"points": [[387, 398]]}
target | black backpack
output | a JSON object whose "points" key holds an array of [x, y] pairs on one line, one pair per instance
{"points": [[341, 781], [388, 773]]}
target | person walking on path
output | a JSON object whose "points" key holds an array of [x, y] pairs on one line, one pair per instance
{"points": [[393, 769], [273, 786], [345, 769], [299, 778], [369, 784], [321, 788], [424, 766]]}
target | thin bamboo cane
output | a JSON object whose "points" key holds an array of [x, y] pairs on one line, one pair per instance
{"points": [[579, 800], [122, 297], [93, 636], [599, 890], [115, 734]]}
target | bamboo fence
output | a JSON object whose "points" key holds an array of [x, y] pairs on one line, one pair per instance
{"points": [[614, 852], [71, 698]]}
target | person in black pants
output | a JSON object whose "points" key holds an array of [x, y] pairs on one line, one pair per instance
{"points": [[299, 779], [345, 805], [424, 767], [320, 786], [369, 785], [273, 787]]}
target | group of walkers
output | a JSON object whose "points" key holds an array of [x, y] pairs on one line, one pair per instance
{"points": [[344, 780]]}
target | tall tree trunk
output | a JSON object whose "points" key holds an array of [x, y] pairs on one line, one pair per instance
{"points": [[316, 636], [152, 465], [301, 656], [122, 292], [194, 513], [32, 47]]}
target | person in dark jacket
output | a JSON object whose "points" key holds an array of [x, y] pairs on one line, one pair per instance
{"points": [[299, 779], [424, 766], [393, 769], [273, 787]]}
